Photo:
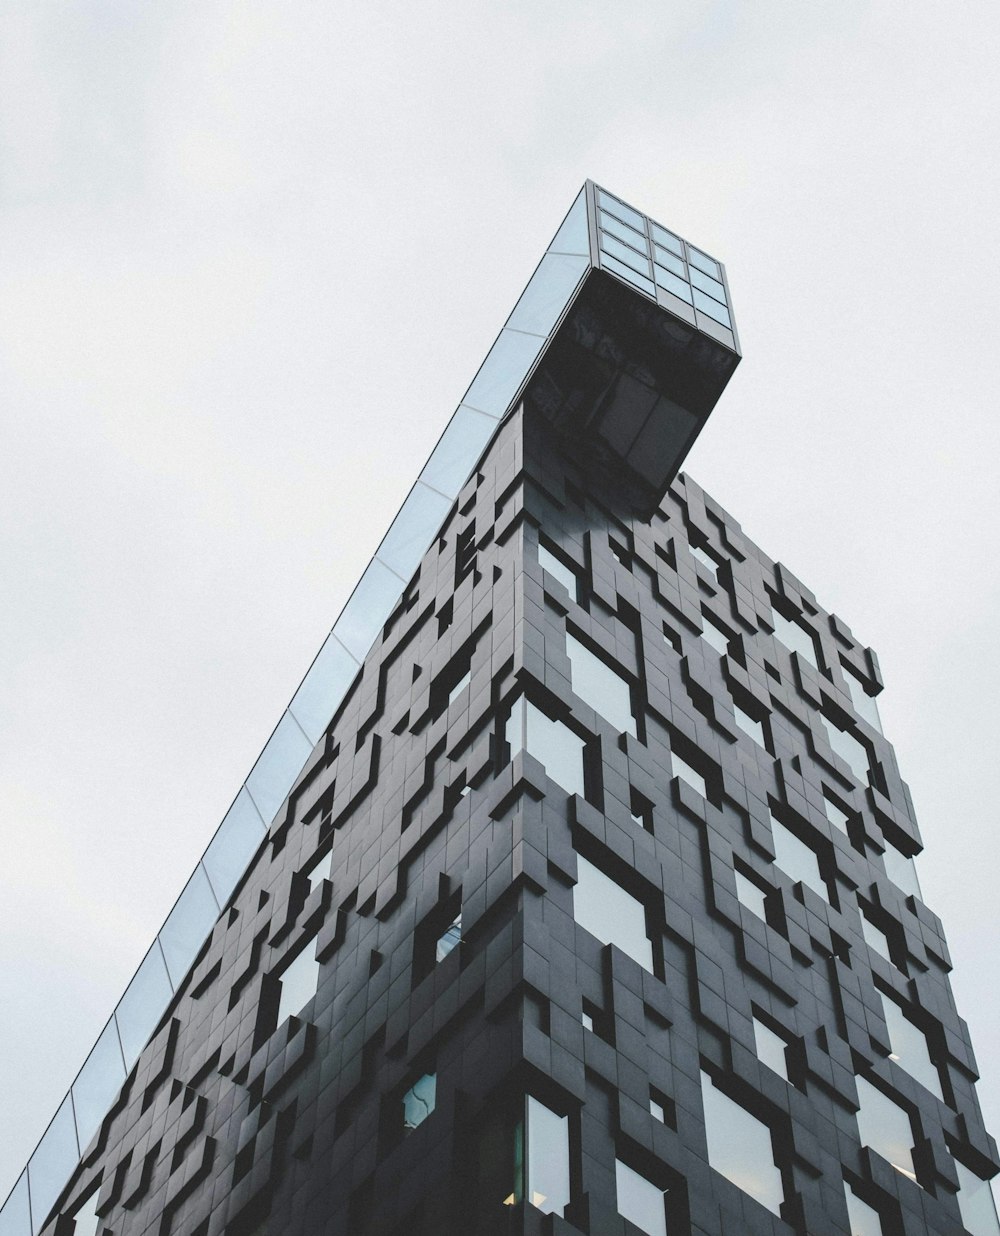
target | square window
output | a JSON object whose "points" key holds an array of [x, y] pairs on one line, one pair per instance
{"points": [[885, 1127], [599, 686], [608, 912], [550, 742], [740, 1147], [796, 859]]}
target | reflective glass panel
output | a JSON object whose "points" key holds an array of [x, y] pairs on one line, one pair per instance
{"points": [[639, 1200], [909, 1047], [749, 725], [739, 1147], [15, 1217], [54, 1159], [901, 870], [85, 1220], [704, 262], [413, 529], [795, 638], [628, 274], [625, 254], [750, 895], [419, 1100], [875, 938], [885, 1127], [233, 845], [98, 1083], [622, 231], [864, 704], [187, 925], [608, 912], [502, 372], [770, 1048], [667, 239], [548, 1159], [706, 560], [667, 279], [714, 636], [975, 1203], [573, 235], [449, 940], [298, 983], [681, 768], [612, 204], [365, 614], [550, 742], [548, 293], [674, 264], [711, 307], [712, 286], [834, 814], [796, 859], [558, 570], [863, 1219], [278, 765], [323, 688], [455, 455], [599, 686], [143, 1003], [851, 751]]}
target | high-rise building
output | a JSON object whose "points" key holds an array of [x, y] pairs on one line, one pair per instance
{"points": [[574, 892]]}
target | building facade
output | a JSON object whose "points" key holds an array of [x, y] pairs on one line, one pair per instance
{"points": [[592, 908]]}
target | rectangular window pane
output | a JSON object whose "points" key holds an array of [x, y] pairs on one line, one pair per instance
{"points": [[796, 859], [668, 280], [550, 742], [749, 725], [909, 1047], [419, 1101], [864, 704], [739, 1147], [770, 1048], [298, 983], [15, 1218], [188, 924], [750, 895], [850, 749], [885, 1127], [795, 638], [706, 560], [834, 814], [901, 870], [234, 844], [714, 636], [142, 1005], [608, 912], [599, 686], [548, 1159], [640, 1201], [875, 938], [863, 1219], [449, 940], [681, 768], [975, 1203], [49, 1167], [558, 570], [98, 1083]]}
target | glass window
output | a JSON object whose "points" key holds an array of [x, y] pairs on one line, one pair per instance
{"points": [[15, 1217], [631, 276], [460, 686], [323, 688], [975, 1203], [739, 1147], [361, 619], [187, 925], [573, 235], [770, 1048], [98, 1083], [86, 1219], [909, 1047], [639, 1200], [630, 216], [234, 844], [558, 570], [875, 938], [502, 372], [598, 685], [449, 940], [413, 529], [458, 448], [751, 895], [714, 636], [142, 1005], [625, 254], [418, 1102], [298, 983], [704, 262], [706, 560], [796, 859], [835, 815], [850, 749], [750, 725], [681, 768], [281, 760], [547, 293], [672, 263], [550, 742], [707, 284], [901, 870], [608, 912], [795, 638], [885, 1127], [667, 239], [548, 1158], [55, 1157], [631, 237], [863, 1219], [864, 704], [711, 307], [668, 280]]}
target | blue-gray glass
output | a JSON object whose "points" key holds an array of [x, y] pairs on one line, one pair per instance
{"points": [[666, 279], [548, 1159], [277, 765], [460, 446], [740, 1147], [86, 1221], [667, 239], [796, 859], [449, 941], [502, 372], [413, 529], [628, 274], [749, 725], [639, 1200], [609, 224], [365, 613], [750, 895], [419, 1100], [885, 1127], [707, 284], [674, 264], [623, 212], [49, 1167], [556, 746], [187, 925], [710, 306], [608, 912], [234, 844], [15, 1217], [598, 685], [909, 1047], [864, 704], [557, 569], [864, 1221], [97, 1083], [574, 234], [625, 254], [770, 1048], [975, 1203], [548, 293], [323, 687], [299, 982], [901, 870], [143, 1003], [853, 752], [703, 262], [795, 638]]}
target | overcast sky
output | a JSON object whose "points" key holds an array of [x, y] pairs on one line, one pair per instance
{"points": [[251, 255]]}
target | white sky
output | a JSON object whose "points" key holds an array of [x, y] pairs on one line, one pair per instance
{"points": [[251, 255]]}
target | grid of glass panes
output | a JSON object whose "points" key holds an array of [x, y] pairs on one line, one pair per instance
{"points": [[651, 259]]}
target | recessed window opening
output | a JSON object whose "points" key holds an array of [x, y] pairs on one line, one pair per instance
{"points": [[86, 1221], [901, 870], [740, 1147], [557, 569], [975, 1203], [864, 704], [851, 750], [419, 1102], [705, 559], [640, 1201], [750, 725], [771, 1048], [863, 1218], [681, 768], [795, 637], [909, 1047], [599, 686], [449, 939], [751, 895], [714, 635], [299, 981], [552, 743], [614, 916], [796, 859], [547, 1186], [885, 1127]]}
